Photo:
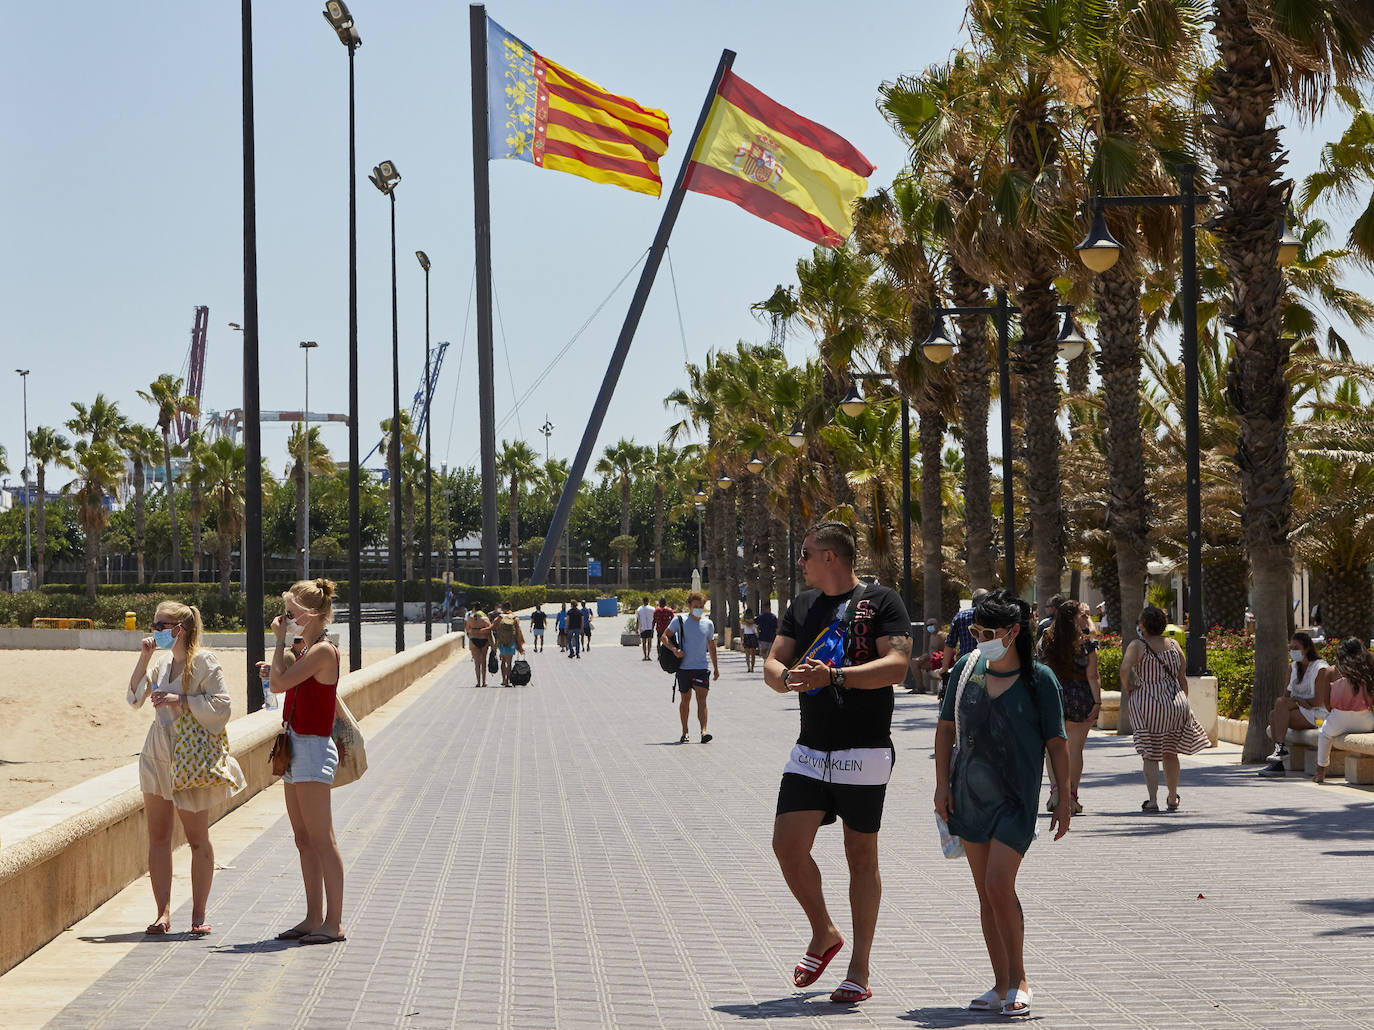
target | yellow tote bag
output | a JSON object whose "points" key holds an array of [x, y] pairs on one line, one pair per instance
{"points": [[199, 758]]}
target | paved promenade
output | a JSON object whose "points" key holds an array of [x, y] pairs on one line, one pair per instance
{"points": [[549, 856]]}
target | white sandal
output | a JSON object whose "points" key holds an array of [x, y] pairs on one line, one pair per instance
{"points": [[988, 1001], [1016, 997]]}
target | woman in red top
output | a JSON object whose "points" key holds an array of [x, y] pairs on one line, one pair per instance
{"points": [[311, 686]]}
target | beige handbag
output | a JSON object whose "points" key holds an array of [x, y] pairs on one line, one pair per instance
{"points": [[348, 738]]}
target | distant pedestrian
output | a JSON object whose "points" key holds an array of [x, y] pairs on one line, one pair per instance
{"points": [[958, 641], [586, 626], [184, 683], [1347, 690], [538, 620], [560, 623], [644, 622], [663, 615], [1154, 686], [1071, 654], [574, 627], [1297, 707], [478, 628], [1051, 609], [1003, 712], [696, 643], [749, 634], [449, 603], [841, 646], [767, 623], [509, 638]]}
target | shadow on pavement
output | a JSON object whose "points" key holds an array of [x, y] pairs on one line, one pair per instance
{"points": [[780, 1008], [136, 937], [953, 1017], [263, 947]]}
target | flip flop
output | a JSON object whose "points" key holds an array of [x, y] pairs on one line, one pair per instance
{"points": [[851, 993], [1173, 803], [154, 929], [989, 1001], [322, 938], [293, 934], [811, 966], [1149, 806], [1017, 997], [201, 929]]}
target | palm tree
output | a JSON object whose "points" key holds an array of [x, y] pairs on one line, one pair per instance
{"points": [[299, 445], [165, 394], [48, 448], [625, 462], [1347, 168], [140, 445], [518, 462], [98, 469], [224, 465], [1268, 51], [667, 466], [551, 478], [196, 483]]}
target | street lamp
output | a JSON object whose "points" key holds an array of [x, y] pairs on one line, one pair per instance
{"points": [[723, 480], [701, 491], [307, 346], [423, 258], [755, 464], [1072, 343], [853, 403], [796, 436], [385, 177], [28, 544], [547, 429], [1290, 246], [938, 347], [337, 14], [701, 509]]}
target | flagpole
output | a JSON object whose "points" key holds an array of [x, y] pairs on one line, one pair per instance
{"points": [[627, 334], [486, 370]]}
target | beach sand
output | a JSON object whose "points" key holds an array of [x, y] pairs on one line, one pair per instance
{"points": [[63, 718]]}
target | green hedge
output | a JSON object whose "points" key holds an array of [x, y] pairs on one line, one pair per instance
{"points": [[1230, 658], [107, 610]]}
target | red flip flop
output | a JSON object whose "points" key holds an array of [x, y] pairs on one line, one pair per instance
{"points": [[811, 966], [154, 929], [851, 993]]}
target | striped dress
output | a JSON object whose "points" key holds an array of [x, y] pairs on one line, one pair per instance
{"points": [[1161, 718]]}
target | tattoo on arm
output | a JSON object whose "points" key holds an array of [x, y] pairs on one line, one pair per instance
{"points": [[901, 644]]}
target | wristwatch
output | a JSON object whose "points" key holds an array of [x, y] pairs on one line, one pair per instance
{"points": [[837, 677]]}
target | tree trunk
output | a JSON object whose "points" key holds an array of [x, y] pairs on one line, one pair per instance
{"points": [[197, 549], [92, 563], [658, 531], [1348, 605], [408, 528], [1249, 161], [931, 433], [720, 589], [748, 484], [1116, 293], [226, 550], [731, 528], [140, 517], [1225, 578], [40, 556], [514, 532], [302, 517], [172, 505], [1037, 355], [973, 372], [624, 578]]}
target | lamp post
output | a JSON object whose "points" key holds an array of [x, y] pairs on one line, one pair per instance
{"points": [[423, 258], [853, 406], [939, 347], [337, 14], [385, 177], [28, 544], [307, 346], [547, 430], [701, 512]]}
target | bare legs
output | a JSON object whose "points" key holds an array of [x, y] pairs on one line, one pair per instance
{"points": [[1078, 738], [1171, 773], [685, 706], [307, 806], [994, 867], [479, 660], [196, 826], [1285, 716], [793, 835]]}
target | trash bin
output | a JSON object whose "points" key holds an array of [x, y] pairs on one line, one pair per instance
{"points": [[606, 606]]}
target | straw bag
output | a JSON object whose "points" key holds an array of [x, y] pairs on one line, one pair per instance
{"points": [[348, 738], [199, 758]]}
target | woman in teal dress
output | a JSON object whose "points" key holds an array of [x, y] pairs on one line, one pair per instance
{"points": [[1010, 712]]}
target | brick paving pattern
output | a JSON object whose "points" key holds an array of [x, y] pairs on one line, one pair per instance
{"points": [[549, 856]]}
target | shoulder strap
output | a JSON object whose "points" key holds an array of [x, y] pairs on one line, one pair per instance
{"points": [[969, 663]]}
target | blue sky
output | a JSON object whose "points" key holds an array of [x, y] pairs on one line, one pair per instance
{"points": [[123, 209]]}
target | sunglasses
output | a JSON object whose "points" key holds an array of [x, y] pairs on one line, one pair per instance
{"points": [[806, 555], [983, 633], [159, 626]]}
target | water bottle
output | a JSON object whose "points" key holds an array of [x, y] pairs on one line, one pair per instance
{"points": [[269, 699]]}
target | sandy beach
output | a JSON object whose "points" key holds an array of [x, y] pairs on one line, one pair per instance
{"points": [[63, 718]]}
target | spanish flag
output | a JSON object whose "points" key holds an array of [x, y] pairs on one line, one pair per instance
{"points": [[541, 112], [778, 165]]}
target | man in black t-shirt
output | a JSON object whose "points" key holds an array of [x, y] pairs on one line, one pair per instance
{"points": [[573, 624], [843, 756], [538, 619]]}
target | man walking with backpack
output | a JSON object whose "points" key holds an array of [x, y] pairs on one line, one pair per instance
{"points": [[573, 626], [841, 646], [696, 640]]}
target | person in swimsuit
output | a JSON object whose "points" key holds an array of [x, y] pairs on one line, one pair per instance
{"points": [[478, 629], [311, 684], [1006, 712], [1071, 653], [749, 634]]}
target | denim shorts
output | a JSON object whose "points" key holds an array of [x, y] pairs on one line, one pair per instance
{"points": [[313, 759]]}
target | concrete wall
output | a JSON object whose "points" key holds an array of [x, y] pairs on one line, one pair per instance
{"points": [[64, 857], [19, 638]]}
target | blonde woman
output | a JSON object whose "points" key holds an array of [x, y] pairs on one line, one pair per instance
{"points": [[184, 679], [311, 685]]}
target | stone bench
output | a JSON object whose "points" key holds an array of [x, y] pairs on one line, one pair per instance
{"points": [[1351, 752]]}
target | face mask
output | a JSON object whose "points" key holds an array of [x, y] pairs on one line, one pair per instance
{"points": [[163, 638], [992, 649], [698, 612], [1297, 656]]}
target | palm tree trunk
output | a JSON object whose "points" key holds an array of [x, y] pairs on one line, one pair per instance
{"points": [[1249, 160], [732, 569], [408, 525], [747, 570], [1348, 604], [1116, 295], [171, 505], [226, 547], [1037, 355], [514, 532], [720, 587], [302, 517], [658, 531], [41, 550], [197, 549], [763, 526], [624, 577], [973, 373], [92, 562], [931, 432], [140, 516]]}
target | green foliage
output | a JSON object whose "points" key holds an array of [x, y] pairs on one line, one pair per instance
{"points": [[1109, 667], [107, 610], [1231, 659], [677, 597]]}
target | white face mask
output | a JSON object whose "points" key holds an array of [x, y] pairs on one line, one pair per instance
{"points": [[698, 612], [992, 649], [1297, 656]]}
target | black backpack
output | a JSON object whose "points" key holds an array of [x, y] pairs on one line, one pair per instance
{"points": [[667, 660], [520, 672]]}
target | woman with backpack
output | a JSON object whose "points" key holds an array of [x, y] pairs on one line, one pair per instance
{"points": [[1155, 686], [509, 639]]}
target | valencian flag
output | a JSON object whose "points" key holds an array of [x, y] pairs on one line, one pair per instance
{"points": [[778, 165], [539, 111]]}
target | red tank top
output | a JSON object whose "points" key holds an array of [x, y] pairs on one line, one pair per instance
{"points": [[310, 708]]}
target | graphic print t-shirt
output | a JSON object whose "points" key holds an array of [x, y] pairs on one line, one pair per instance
{"points": [[834, 719]]}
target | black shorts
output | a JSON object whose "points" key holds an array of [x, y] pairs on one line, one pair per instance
{"points": [[751, 641], [646, 634], [861, 807], [689, 678]]}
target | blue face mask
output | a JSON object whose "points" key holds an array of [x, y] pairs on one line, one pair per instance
{"points": [[698, 612], [163, 638], [992, 649]]}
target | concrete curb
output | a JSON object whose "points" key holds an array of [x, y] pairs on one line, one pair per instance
{"points": [[64, 857]]}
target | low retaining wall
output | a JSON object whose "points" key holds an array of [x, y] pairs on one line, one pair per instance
{"points": [[64, 857], [1202, 698], [22, 638]]}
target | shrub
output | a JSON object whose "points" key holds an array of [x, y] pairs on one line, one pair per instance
{"points": [[1109, 667]]}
